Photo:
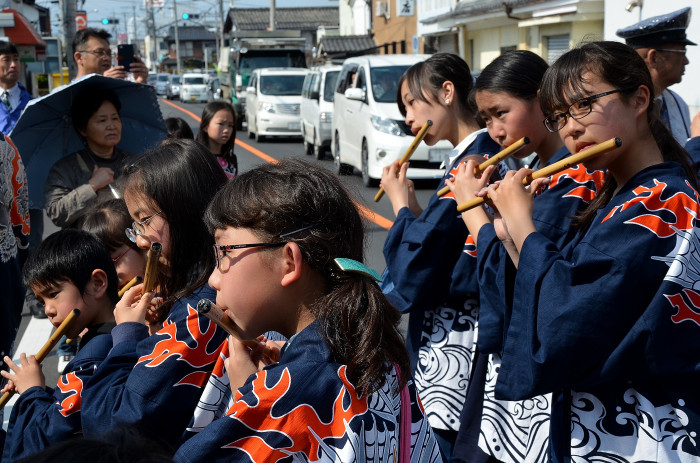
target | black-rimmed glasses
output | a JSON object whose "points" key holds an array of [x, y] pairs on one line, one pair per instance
{"points": [[139, 228], [577, 110], [220, 250]]}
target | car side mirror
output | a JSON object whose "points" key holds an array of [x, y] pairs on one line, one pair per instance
{"points": [[250, 90], [355, 94]]}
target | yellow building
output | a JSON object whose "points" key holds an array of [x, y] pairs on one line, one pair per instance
{"points": [[480, 30]]}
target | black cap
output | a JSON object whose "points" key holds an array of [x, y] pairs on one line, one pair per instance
{"points": [[658, 30]]}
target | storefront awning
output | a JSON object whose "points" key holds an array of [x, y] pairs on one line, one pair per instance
{"points": [[23, 32]]}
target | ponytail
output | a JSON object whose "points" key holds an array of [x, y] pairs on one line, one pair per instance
{"points": [[361, 329]]}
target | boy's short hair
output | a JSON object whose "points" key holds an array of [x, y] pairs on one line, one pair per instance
{"points": [[70, 255], [6, 48]]}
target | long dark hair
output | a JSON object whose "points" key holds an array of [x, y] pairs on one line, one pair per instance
{"points": [[356, 320], [180, 177], [516, 72], [563, 84], [207, 115], [429, 75]]}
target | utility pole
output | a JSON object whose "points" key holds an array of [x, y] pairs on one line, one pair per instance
{"points": [[272, 15], [67, 8], [177, 39], [136, 35], [221, 30]]}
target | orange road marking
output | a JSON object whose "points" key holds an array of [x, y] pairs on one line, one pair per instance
{"points": [[367, 213]]}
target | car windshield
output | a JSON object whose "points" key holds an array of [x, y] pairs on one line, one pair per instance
{"points": [[194, 80], [152, 78], [176, 79], [385, 81], [281, 84], [163, 78], [329, 89]]}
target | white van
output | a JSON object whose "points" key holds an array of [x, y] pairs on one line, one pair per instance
{"points": [[273, 100], [369, 131], [317, 109], [193, 87]]}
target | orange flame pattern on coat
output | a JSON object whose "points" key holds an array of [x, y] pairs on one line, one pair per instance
{"points": [[580, 177], [172, 347], [306, 428], [72, 385], [684, 208]]}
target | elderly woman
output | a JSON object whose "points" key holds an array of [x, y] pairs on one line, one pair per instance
{"points": [[85, 178]]}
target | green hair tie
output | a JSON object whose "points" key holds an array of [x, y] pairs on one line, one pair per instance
{"points": [[353, 266]]}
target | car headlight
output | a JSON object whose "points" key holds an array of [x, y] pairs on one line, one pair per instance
{"points": [[326, 117], [266, 107], [385, 125]]}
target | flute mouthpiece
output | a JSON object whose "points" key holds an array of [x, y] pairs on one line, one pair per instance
{"points": [[204, 306]]}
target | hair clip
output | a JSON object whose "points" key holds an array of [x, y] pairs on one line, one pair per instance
{"points": [[353, 266]]}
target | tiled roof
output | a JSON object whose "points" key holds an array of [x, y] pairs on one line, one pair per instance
{"points": [[258, 19], [190, 34], [346, 43]]}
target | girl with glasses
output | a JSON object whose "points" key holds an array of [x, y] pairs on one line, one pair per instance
{"points": [[154, 382], [342, 384], [424, 248], [608, 323]]}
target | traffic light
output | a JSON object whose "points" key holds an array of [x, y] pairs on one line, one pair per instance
{"points": [[190, 16], [106, 21]]}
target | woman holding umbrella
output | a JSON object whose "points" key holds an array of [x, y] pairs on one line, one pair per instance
{"points": [[85, 177]]}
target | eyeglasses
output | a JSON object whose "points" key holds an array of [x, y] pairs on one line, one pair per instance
{"points": [[577, 110], [100, 52], [116, 259], [670, 50], [139, 228], [220, 250]]}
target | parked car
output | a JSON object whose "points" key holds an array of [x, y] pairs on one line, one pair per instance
{"points": [[193, 87], [368, 129], [152, 77], [317, 109], [214, 89], [273, 100], [162, 83], [173, 89]]}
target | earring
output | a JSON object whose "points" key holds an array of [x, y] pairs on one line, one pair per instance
{"points": [[447, 101]]}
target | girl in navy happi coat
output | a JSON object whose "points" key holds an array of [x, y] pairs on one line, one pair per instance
{"points": [[425, 247], [154, 382], [609, 323], [506, 96], [289, 242]]}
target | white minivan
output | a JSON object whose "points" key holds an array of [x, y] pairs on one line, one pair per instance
{"points": [[273, 100], [193, 87], [317, 109], [369, 131]]}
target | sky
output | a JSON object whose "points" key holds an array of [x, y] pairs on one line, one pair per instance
{"points": [[123, 9]]}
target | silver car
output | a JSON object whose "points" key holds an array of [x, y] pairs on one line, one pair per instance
{"points": [[173, 89], [162, 83]]}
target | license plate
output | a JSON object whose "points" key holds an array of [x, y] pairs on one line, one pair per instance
{"points": [[294, 126], [438, 154], [193, 98]]}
